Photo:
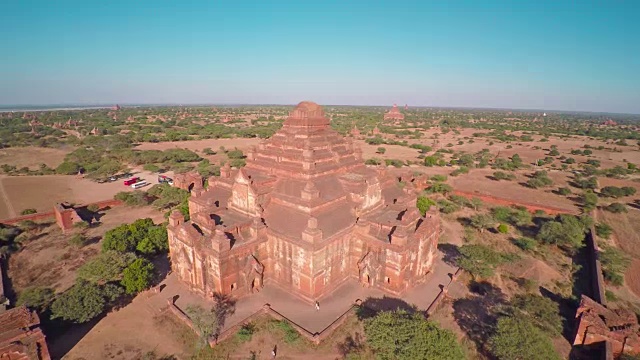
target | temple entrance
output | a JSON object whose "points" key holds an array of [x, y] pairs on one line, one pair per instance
{"points": [[365, 279]]}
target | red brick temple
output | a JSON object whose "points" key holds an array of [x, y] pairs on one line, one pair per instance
{"points": [[394, 114], [305, 214]]}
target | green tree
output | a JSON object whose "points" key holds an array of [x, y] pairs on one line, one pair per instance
{"points": [[542, 311], [83, 301], [616, 208], [517, 339], [28, 211], [603, 230], [402, 336], [137, 276], [567, 231], [38, 298], [614, 264], [424, 203], [479, 260], [482, 221], [155, 242], [68, 168], [589, 200], [106, 267], [205, 321], [381, 150]]}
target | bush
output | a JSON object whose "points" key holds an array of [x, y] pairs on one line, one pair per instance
{"points": [[137, 276], [603, 230], [83, 301], [567, 231], [151, 168], [37, 298], [439, 178], [78, 240], [424, 203], [106, 267], [28, 211], [479, 260], [614, 263], [403, 336], [289, 334], [373, 161], [515, 336], [564, 191], [93, 208], [616, 208], [525, 243], [503, 228], [245, 333]]}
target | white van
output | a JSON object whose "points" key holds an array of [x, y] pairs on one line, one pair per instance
{"points": [[139, 184]]}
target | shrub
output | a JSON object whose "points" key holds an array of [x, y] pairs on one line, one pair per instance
{"points": [[439, 178], [83, 301], [245, 333], [38, 298], [400, 335], [525, 243], [78, 240], [503, 228], [424, 203], [151, 168], [616, 208], [479, 260], [28, 211], [603, 230], [564, 191], [515, 336], [614, 263], [93, 208], [381, 150], [137, 276]]}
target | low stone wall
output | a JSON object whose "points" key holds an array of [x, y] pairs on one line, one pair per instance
{"points": [[442, 294], [595, 267], [315, 338], [51, 214], [506, 202]]}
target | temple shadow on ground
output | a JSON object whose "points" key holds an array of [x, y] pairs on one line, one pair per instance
{"points": [[450, 253], [478, 313], [567, 312], [371, 306], [62, 336]]}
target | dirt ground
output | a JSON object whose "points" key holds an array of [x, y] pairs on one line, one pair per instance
{"points": [[199, 145], [42, 192], [626, 235], [477, 180], [47, 258], [32, 157]]}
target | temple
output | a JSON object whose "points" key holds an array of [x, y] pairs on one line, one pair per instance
{"points": [[598, 324], [21, 337], [306, 215], [394, 114]]}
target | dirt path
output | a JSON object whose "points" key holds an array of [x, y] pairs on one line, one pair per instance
{"points": [[5, 199]]}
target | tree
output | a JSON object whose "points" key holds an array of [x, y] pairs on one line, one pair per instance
{"points": [[567, 231], [616, 208], [603, 230], [441, 188], [137, 276], [479, 260], [38, 298], [155, 242], [517, 338], [424, 203], [614, 264], [68, 168], [476, 203], [589, 200], [83, 301], [542, 311], [430, 161], [28, 211], [403, 336], [106, 267], [205, 321], [482, 221], [381, 150], [564, 191]]}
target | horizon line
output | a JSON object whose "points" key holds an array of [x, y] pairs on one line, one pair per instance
{"points": [[87, 106]]}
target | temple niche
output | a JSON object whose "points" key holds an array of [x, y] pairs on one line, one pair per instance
{"points": [[305, 214]]}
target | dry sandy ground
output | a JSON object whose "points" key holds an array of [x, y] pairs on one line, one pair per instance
{"points": [[47, 258], [477, 181], [199, 145], [42, 192], [626, 234], [32, 157]]}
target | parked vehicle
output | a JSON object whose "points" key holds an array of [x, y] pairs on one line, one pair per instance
{"points": [[140, 184], [131, 181], [165, 179]]}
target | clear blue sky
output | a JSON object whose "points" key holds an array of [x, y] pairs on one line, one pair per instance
{"points": [[544, 54]]}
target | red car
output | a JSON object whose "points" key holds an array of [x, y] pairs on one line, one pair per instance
{"points": [[131, 181]]}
